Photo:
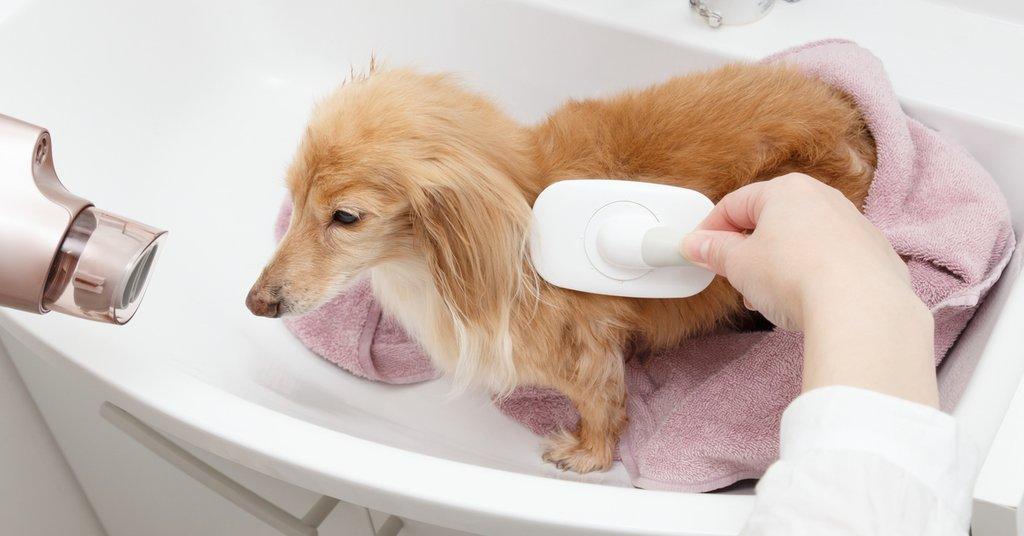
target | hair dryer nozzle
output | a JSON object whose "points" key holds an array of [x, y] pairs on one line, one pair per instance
{"points": [[102, 267]]}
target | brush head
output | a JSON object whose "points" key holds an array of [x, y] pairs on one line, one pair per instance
{"points": [[619, 238]]}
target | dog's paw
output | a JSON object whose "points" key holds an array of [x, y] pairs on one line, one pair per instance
{"points": [[568, 453]]}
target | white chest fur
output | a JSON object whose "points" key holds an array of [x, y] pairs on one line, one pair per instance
{"points": [[407, 292]]}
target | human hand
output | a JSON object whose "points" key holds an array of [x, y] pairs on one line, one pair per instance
{"points": [[792, 245], [802, 255]]}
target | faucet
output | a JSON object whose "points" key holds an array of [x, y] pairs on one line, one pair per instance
{"points": [[718, 12]]}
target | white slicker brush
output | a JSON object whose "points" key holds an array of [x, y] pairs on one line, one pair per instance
{"points": [[619, 238]]}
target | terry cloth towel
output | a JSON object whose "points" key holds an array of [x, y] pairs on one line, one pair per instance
{"points": [[706, 414]]}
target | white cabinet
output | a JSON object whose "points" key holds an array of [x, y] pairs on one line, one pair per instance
{"points": [[38, 494]]}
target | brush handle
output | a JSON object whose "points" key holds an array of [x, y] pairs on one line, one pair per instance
{"points": [[631, 241], [660, 247]]}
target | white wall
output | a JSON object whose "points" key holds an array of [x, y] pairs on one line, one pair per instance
{"points": [[1008, 10], [38, 494]]}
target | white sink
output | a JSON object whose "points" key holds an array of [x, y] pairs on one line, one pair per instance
{"points": [[184, 115]]}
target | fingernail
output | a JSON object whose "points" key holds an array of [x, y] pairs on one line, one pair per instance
{"points": [[695, 247]]}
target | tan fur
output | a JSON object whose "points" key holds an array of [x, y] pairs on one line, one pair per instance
{"points": [[443, 182]]}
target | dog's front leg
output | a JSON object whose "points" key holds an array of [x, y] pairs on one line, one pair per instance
{"points": [[595, 384]]}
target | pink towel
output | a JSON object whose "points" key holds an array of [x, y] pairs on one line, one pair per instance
{"points": [[706, 414]]}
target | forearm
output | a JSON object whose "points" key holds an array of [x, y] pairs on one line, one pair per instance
{"points": [[879, 339]]}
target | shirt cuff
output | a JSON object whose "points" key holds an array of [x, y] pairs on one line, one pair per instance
{"points": [[920, 439]]}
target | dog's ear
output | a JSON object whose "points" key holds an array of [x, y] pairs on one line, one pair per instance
{"points": [[476, 245], [475, 234]]}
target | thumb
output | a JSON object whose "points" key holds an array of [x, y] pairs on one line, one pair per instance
{"points": [[711, 249]]}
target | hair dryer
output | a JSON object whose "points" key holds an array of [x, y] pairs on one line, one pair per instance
{"points": [[57, 251]]}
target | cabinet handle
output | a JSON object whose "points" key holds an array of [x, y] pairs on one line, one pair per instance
{"points": [[228, 488]]}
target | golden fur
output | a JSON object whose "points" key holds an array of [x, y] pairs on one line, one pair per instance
{"points": [[443, 182]]}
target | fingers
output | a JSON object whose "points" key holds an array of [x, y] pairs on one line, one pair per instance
{"points": [[712, 249], [739, 210]]}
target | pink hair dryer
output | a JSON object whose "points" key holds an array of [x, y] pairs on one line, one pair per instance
{"points": [[57, 251]]}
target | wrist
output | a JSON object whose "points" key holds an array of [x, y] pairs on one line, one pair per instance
{"points": [[840, 294], [879, 309]]}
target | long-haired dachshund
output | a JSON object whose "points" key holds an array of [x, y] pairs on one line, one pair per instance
{"points": [[428, 187]]}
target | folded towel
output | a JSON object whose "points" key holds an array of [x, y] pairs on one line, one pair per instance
{"points": [[706, 414]]}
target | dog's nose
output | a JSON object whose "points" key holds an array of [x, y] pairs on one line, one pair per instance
{"points": [[262, 305]]}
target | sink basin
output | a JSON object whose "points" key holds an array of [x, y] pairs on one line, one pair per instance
{"points": [[184, 115]]}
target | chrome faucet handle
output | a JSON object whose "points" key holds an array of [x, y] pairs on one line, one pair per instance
{"points": [[710, 16], [718, 12]]}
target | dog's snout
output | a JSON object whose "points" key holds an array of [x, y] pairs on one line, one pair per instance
{"points": [[263, 303]]}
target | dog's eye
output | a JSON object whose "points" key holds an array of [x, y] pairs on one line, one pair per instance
{"points": [[345, 218]]}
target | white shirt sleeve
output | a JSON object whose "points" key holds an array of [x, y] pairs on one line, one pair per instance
{"points": [[857, 462]]}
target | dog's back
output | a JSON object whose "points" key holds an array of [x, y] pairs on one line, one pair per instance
{"points": [[713, 132]]}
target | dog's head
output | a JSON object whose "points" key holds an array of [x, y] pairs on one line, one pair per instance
{"points": [[401, 167]]}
